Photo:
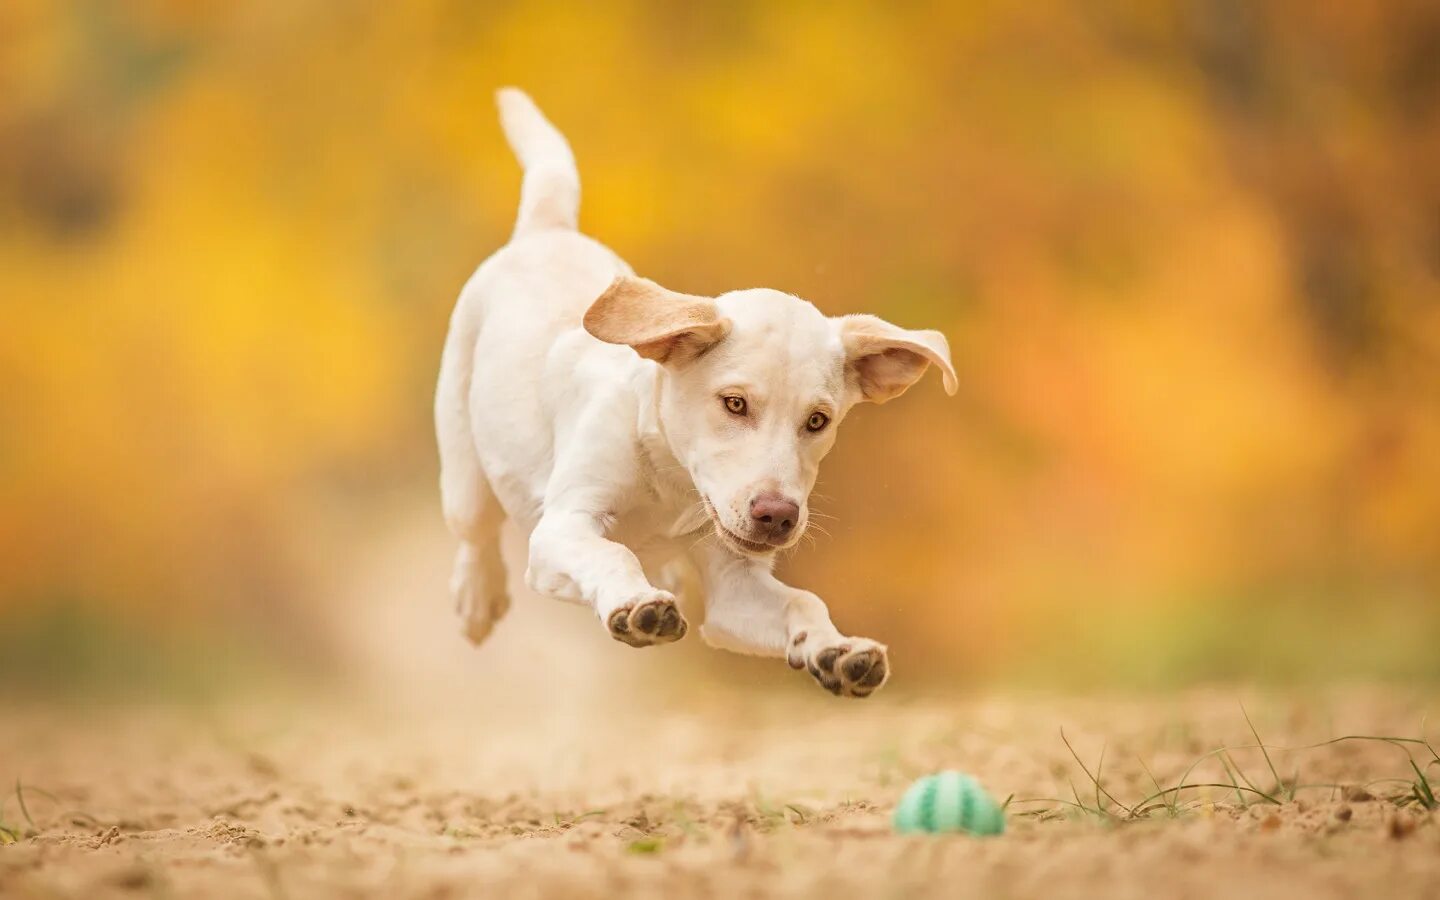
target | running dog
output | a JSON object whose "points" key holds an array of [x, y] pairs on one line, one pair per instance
{"points": [[626, 427]]}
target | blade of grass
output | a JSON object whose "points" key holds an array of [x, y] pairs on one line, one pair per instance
{"points": [[1080, 804], [1155, 781], [1422, 788], [1239, 797], [1388, 739], [1199, 784], [24, 810], [1279, 785], [22, 789], [1099, 768], [1248, 783], [32, 789], [1098, 788], [1193, 766], [1045, 800], [1228, 760]]}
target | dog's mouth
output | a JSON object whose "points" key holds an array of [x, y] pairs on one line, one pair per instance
{"points": [[733, 540]]}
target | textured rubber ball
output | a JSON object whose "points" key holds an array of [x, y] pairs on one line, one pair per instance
{"points": [[948, 802]]}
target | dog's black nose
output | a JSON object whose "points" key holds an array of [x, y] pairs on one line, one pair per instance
{"points": [[774, 516]]}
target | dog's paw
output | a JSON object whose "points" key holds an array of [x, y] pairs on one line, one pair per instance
{"points": [[846, 667], [648, 619], [478, 605]]}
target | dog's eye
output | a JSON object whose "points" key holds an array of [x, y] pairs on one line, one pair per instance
{"points": [[817, 421], [736, 405]]}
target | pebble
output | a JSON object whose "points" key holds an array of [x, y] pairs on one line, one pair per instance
{"points": [[1356, 794], [1401, 826]]}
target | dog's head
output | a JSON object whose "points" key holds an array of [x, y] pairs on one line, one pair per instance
{"points": [[754, 385]]}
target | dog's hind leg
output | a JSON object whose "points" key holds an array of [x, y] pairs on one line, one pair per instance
{"points": [[478, 580], [471, 509]]}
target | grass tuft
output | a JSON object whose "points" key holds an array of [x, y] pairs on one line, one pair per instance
{"points": [[1418, 791]]}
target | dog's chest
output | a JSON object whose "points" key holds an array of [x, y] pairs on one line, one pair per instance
{"points": [[665, 519]]}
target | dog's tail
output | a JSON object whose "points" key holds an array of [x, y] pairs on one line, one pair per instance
{"points": [[550, 193]]}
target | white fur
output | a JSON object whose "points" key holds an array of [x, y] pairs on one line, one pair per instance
{"points": [[616, 465]]}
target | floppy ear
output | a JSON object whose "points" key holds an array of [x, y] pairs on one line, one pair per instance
{"points": [[659, 324], [883, 359]]}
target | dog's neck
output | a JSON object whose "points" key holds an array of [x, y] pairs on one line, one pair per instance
{"points": [[665, 475]]}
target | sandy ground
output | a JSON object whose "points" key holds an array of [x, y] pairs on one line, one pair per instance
{"points": [[682, 796], [556, 763]]}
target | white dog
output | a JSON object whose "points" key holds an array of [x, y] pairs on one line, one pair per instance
{"points": [[625, 427]]}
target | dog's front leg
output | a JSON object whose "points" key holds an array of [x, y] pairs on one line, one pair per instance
{"points": [[749, 610], [571, 559]]}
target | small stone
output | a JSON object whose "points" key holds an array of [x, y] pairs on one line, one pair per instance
{"points": [[1270, 823], [1357, 794], [1401, 826], [1343, 813]]}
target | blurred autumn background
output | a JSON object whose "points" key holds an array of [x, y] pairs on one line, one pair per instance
{"points": [[1187, 255]]}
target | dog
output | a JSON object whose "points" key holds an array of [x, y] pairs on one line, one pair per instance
{"points": [[626, 428]]}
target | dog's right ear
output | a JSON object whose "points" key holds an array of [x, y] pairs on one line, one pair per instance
{"points": [[657, 323]]}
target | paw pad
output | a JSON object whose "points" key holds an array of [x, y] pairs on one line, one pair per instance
{"points": [[643, 623], [852, 669]]}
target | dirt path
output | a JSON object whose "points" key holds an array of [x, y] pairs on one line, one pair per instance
{"points": [[556, 763], [684, 791]]}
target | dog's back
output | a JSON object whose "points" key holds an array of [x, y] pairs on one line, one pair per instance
{"points": [[494, 404]]}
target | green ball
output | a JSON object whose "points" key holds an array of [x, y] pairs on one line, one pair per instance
{"points": [[948, 802]]}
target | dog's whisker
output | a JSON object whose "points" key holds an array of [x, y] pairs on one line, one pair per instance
{"points": [[705, 536]]}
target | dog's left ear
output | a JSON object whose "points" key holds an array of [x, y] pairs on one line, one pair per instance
{"points": [[883, 360], [658, 323]]}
